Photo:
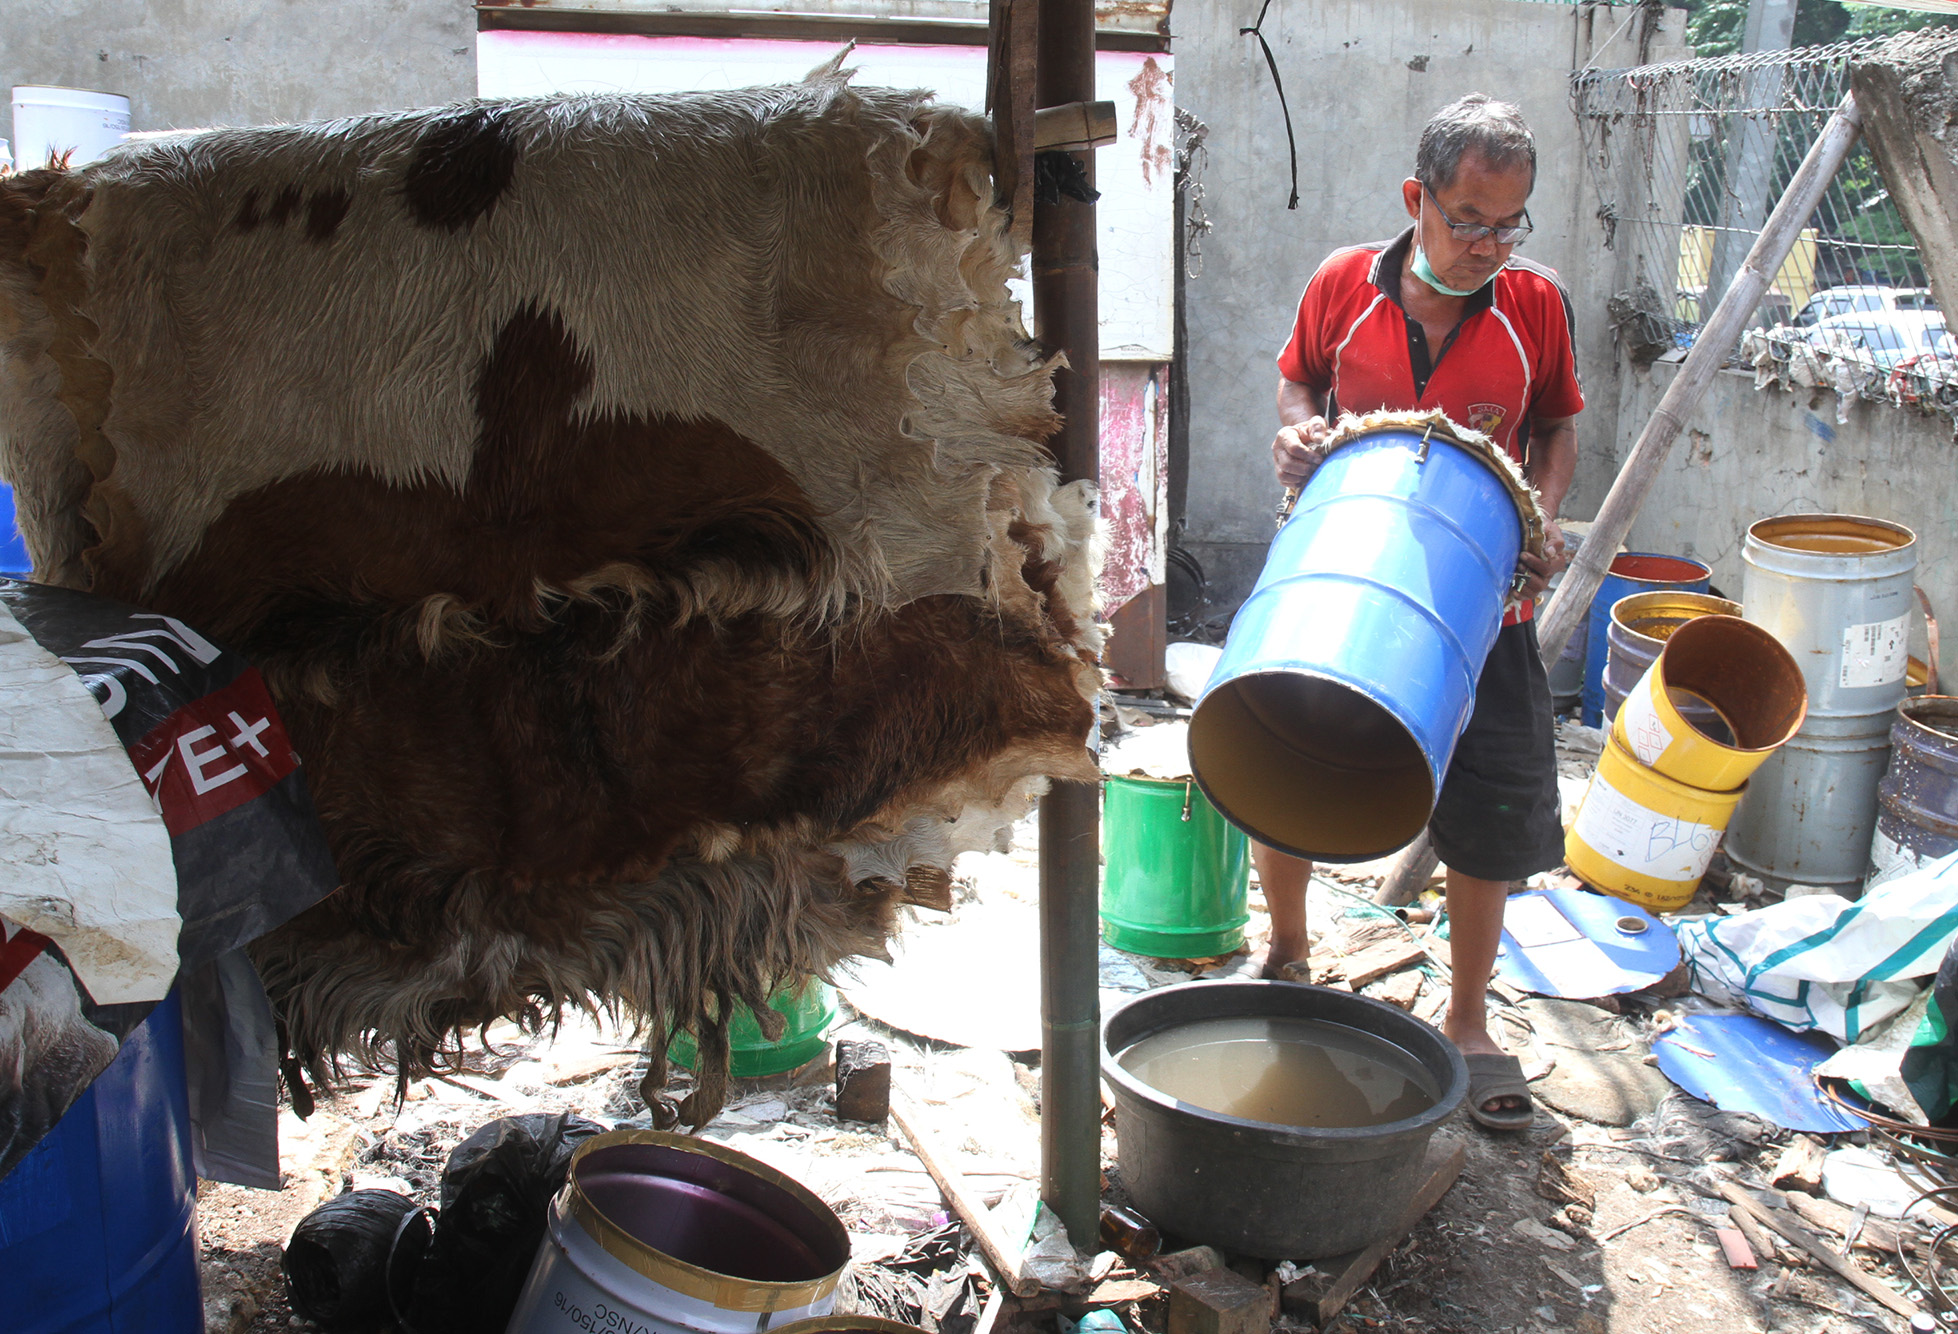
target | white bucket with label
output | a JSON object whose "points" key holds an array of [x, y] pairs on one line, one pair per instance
{"points": [[666, 1234], [77, 121], [1835, 589]]}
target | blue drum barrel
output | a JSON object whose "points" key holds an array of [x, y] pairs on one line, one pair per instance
{"points": [[97, 1222], [1630, 572], [1351, 669]]}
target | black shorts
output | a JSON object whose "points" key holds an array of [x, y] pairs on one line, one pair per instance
{"points": [[1498, 816]]}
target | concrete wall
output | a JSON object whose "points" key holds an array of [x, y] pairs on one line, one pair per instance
{"points": [[1362, 77], [1747, 455], [186, 63]]}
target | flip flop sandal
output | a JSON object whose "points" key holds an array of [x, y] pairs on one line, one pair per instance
{"points": [[1498, 1075]]}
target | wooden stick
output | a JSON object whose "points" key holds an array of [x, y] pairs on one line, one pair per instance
{"points": [[1757, 1237], [989, 1314], [1802, 1237], [1445, 1157], [1003, 1257], [1708, 353]]}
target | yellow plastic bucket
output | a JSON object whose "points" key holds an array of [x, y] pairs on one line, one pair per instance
{"points": [[1750, 697], [1642, 836]]}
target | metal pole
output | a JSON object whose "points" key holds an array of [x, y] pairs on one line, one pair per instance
{"points": [[1065, 312], [1709, 352]]}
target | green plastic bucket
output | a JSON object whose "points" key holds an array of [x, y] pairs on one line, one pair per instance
{"points": [[1175, 873], [810, 1011]]}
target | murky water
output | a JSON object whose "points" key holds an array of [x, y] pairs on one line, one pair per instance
{"points": [[1289, 1072]]}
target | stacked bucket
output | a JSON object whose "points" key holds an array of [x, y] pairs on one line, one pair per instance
{"points": [[1719, 698], [1836, 590]]}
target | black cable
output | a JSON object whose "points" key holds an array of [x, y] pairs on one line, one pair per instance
{"points": [[1271, 62]]}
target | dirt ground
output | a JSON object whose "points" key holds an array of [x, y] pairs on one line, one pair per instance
{"points": [[1575, 1227]]}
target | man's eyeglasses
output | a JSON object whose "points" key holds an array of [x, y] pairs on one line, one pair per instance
{"points": [[1470, 231]]}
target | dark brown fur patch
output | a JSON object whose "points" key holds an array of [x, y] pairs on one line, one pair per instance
{"points": [[544, 779], [461, 166], [550, 498], [285, 205], [248, 217], [325, 211]]}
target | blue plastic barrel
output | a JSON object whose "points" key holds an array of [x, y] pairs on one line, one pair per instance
{"points": [[1631, 572], [13, 551], [97, 1222], [1350, 671]]}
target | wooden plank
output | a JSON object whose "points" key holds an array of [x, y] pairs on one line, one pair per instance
{"points": [[1138, 637], [999, 1253], [1443, 1164], [1828, 1259], [1877, 1234], [1759, 1239], [1219, 1301], [1370, 964]]}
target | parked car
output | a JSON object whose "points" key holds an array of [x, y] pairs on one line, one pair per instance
{"points": [[1882, 338], [1834, 301]]}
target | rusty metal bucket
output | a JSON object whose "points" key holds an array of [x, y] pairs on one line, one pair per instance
{"points": [[1917, 801], [1640, 626], [1724, 666]]}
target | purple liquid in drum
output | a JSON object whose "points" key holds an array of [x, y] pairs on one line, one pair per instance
{"points": [[708, 1214]]}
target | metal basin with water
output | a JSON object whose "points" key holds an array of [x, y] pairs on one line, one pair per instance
{"points": [[1258, 1188]]}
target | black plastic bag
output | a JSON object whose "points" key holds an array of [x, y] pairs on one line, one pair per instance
{"points": [[496, 1196], [336, 1265]]}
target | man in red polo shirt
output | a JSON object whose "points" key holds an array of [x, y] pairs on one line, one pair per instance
{"points": [[1446, 316]]}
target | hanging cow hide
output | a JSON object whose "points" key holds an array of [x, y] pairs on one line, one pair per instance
{"points": [[635, 504]]}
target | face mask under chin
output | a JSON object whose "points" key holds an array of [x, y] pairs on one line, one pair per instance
{"points": [[1425, 271]]}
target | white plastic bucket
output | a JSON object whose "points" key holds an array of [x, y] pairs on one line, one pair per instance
{"points": [[57, 120], [674, 1235]]}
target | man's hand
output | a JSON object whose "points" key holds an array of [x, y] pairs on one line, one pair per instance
{"points": [[1298, 449], [1554, 558]]}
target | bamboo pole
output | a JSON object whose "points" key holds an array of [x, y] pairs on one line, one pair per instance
{"points": [[1066, 320], [1709, 352]]}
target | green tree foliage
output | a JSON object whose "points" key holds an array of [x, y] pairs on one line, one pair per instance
{"points": [[1859, 211], [1714, 27]]}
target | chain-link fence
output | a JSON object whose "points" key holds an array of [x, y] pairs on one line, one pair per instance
{"points": [[1690, 157]]}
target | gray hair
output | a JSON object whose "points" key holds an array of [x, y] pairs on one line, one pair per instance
{"points": [[1478, 124]]}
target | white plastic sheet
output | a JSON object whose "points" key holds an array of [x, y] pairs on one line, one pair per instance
{"points": [[1188, 667], [84, 856], [1825, 962]]}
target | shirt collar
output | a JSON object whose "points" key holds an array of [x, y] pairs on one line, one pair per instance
{"points": [[1386, 275]]}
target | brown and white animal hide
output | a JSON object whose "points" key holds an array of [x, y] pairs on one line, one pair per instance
{"points": [[635, 503]]}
